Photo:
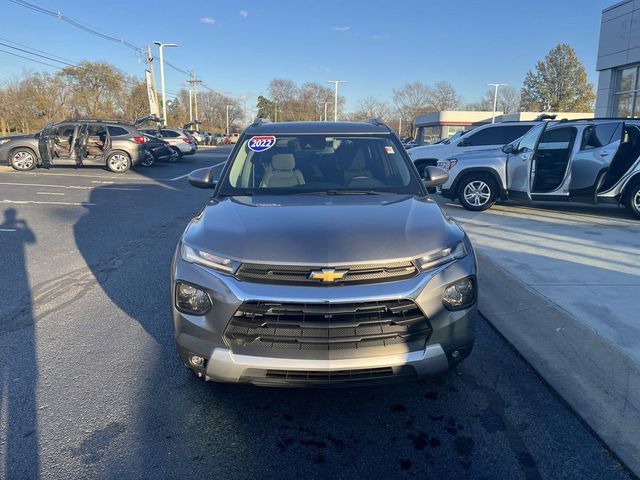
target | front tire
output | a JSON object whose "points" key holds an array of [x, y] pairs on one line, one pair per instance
{"points": [[178, 151], [148, 160], [118, 162], [633, 200], [23, 159], [478, 192]]}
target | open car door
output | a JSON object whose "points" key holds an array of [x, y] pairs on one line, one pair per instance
{"points": [[589, 167], [521, 165], [45, 145]]}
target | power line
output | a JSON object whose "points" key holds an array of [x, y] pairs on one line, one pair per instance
{"points": [[38, 55], [91, 30], [32, 59], [35, 49]]}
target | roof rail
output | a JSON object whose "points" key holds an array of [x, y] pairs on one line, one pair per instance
{"points": [[378, 123], [94, 120], [598, 118]]}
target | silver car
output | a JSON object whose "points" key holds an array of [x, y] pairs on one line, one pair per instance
{"points": [[321, 259], [591, 161], [180, 141]]}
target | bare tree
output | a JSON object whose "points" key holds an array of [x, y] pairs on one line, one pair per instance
{"points": [[508, 100], [371, 107], [443, 96]]}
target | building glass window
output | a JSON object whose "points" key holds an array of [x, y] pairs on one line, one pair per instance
{"points": [[626, 101]]}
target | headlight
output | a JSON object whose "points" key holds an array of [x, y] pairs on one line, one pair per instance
{"points": [[446, 255], [447, 164], [207, 259], [460, 294], [4, 140], [190, 299]]}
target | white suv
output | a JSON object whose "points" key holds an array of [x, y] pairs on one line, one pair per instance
{"points": [[493, 135]]}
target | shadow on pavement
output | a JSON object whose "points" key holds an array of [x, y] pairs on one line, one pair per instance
{"points": [[18, 362]]}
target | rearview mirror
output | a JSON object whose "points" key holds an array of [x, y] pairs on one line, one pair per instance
{"points": [[435, 176], [202, 178]]}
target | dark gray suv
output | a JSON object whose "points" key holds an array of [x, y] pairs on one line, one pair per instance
{"points": [[321, 259], [116, 145]]}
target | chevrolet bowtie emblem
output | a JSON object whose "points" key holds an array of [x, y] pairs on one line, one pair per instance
{"points": [[328, 274]]}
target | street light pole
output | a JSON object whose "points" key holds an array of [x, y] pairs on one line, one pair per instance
{"points": [[164, 95], [335, 104], [495, 98], [228, 119], [325, 109]]}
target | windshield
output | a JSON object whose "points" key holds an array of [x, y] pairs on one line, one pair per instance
{"points": [[291, 164]]}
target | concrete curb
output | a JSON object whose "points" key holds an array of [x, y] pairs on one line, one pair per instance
{"points": [[600, 382]]}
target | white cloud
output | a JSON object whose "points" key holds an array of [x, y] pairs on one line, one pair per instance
{"points": [[341, 29], [244, 13], [208, 20]]}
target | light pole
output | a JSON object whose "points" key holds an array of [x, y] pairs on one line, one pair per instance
{"points": [[228, 119], [325, 109], [335, 104], [495, 98], [164, 95]]}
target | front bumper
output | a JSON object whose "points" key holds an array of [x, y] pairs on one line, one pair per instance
{"points": [[452, 331]]}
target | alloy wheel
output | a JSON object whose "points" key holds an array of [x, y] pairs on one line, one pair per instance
{"points": [[477, 193], [23, 160], [118, 162], [636, 201]]}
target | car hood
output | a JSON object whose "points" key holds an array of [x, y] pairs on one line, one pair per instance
{"points": [[322, 230], [479, 154], [419, 152], [21, 136]]}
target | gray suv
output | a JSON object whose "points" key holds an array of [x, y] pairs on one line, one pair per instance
{"points": [[321, 259], [114, 144], [590, 161]]}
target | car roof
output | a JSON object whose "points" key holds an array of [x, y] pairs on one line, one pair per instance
{"points": [[291, 128]]}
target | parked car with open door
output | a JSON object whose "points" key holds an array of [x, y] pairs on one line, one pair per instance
{"points": [[590, 161], [116, 145]]}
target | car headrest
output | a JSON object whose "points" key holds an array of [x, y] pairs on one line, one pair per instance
{"points": [[283, 161], [358, 162]]}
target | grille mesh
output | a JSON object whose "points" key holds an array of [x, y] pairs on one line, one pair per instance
{"points": [[328, 327], [294, 274]]}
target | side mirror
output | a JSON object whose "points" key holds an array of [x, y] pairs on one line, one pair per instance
{"points": [[435, 176], [464, 143], [202, 178], [508, 148]]}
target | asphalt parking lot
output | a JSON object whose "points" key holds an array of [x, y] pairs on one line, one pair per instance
{"points": [[91, 386]]}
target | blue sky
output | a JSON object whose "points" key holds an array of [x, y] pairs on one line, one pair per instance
{"points": [[238, 46]]}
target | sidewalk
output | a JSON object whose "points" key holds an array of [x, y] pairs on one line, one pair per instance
{"points": [[562, 284]]}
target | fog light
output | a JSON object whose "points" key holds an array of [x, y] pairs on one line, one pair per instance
{"points": [[196, 361], [460, 294], [190, 299]]}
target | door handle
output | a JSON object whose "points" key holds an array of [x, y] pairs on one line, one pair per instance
{"points": [[525, 157], [604, 154]]}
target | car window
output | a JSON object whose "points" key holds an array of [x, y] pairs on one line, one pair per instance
{"points": [[64, 130], [116, 131], [528, 142], [486, 136], [596, 136], [557, 138], [95, 130], [512, 132], [169, 133], [320, 163]]}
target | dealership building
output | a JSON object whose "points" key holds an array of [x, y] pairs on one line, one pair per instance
{"points": [[619, 61]]}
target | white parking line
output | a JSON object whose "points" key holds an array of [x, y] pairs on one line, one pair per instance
{"points": [[71, 187], [7, 229], [81, 175], [49, 193], [34, 202]]}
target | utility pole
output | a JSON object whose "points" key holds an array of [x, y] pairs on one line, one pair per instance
{"points": [[164, 95], [400, 127], [194, 86], [275, 110], [228, 119], [495, 98], [335, 105]]}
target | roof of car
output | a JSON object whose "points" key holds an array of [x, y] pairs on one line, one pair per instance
{"points": [[289, 128]]}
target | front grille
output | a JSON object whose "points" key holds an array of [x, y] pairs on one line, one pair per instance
{"points": [[299, 275], [333, 378], [355, 329]]}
